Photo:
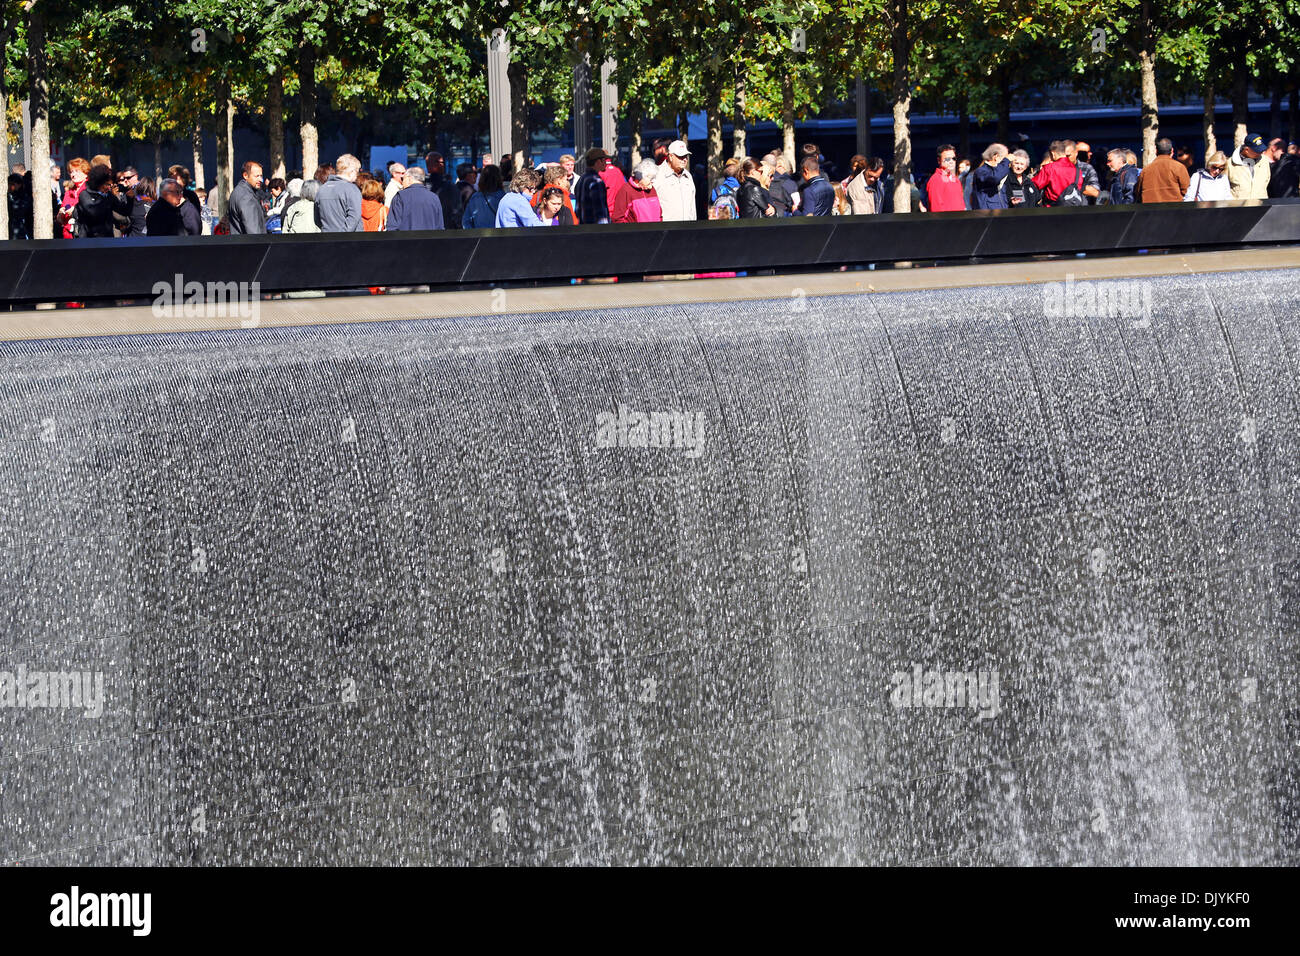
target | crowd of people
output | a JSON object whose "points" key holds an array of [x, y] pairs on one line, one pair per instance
{"points": [[98, 201]]}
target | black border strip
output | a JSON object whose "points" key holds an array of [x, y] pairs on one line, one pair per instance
{"points": [[61, 270]]}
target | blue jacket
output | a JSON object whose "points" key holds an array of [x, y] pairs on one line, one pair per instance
{"points": [[592, 199], [1121, 187], [481, 211], [818, 197], [515, 210], [986, 190], [415, 207], [728, 186], [448, 194]]}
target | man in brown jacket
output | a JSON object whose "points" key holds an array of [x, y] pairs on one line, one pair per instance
{"points": [[1164, 179]]}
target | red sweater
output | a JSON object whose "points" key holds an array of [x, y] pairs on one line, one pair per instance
{"points": [[1056, 177], [944, 193]]}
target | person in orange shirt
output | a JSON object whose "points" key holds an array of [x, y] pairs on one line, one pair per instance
{"points": [[374, 214]]}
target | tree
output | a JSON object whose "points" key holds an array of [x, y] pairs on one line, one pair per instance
{"points": [[38, 96], [12, 14], [1142, 29]]}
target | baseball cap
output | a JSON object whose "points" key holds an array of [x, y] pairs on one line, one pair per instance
{"points": [[595, 154], [678, 148], [1255, 142]]}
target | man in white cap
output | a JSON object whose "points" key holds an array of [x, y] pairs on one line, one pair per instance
{"points": [[674, 185]]}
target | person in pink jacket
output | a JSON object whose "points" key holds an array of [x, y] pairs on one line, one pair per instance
{"points": [[78, 170], [637, 200]]}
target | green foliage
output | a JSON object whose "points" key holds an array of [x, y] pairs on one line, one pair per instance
{"points": [[140, 68]]}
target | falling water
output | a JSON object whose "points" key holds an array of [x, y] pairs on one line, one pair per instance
{"points": [[388, 594]]}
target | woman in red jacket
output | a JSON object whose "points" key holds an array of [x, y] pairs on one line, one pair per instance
{"points": [[944, 192], [78, 170]]}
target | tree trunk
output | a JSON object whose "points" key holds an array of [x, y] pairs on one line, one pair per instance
{"points": [[787, 120], [1004, 106], [714, 117], [1150, 102], [229, 158], [230, 136], [1293, 116], [308, 134], [518, 77], [225, 183], [902, 51], [39, 106], [581, 112], [636, 135], [1207, 120], [275, 123], [157, 159], [1240, 106], [365, 135], [684, 127], [1275, 110], [1150, 106], [196, 146], [862, 108], [963, 130], [4, 127], [739, 146]]}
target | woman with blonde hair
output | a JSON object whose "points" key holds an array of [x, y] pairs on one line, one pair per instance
{"points": [[1210, 184], [841, 206]]}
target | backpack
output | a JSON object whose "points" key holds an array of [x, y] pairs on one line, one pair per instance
{"points": [[1073, 195], [274, 223], [725, 207]]}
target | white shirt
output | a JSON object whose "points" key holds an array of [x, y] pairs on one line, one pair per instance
{"points": [[676, 192], [1204, 189], [392, 189]]}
